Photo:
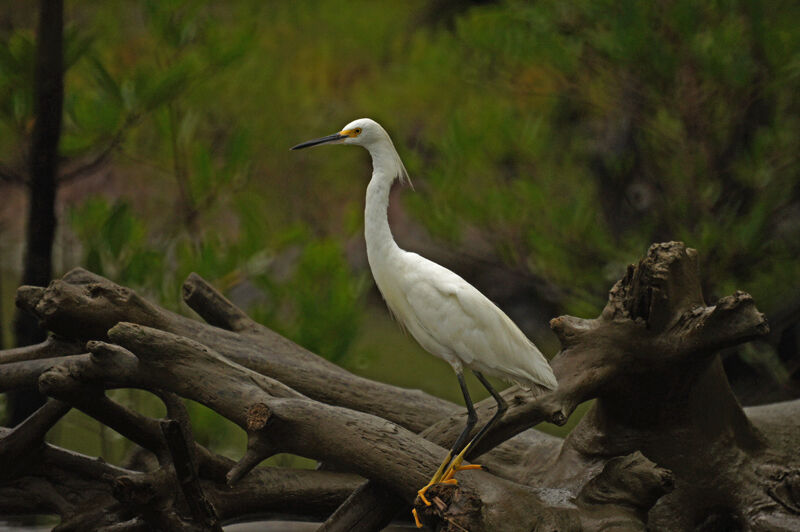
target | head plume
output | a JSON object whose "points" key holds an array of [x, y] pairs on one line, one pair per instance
{"points": [[370, 134]]}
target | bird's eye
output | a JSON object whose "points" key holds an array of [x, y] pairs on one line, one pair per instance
{"points": [[358, 131]]}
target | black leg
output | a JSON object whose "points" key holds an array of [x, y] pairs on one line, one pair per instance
{"points": [[502, 406], [472, 417], [458, 446]]}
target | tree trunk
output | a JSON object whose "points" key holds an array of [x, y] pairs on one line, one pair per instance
{"points": [[48, 100]]}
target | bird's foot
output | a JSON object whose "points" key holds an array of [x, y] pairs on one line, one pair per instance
{"points": [[455, 467], [448, 476], [416, 518], [436, 478], [421, 494], [439, 476], [445, 478]]}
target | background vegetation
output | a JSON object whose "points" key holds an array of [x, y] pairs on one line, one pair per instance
{"points": [[550, 143]]}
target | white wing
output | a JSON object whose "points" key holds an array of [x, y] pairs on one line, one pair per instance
{"points": [[453, 320]]}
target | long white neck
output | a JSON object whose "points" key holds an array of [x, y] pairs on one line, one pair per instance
{"points": [[386, 167]]}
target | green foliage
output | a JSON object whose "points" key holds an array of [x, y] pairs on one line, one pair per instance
{"points": [[564, 137], [114, 242], [563, 104], [318, 303]]}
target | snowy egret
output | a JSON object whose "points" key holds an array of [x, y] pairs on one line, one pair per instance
{"points": [[447, 316]]}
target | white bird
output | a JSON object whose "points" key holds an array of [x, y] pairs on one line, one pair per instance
{"points": [[449, 317]]}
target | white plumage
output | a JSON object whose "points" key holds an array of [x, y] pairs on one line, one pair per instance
{"points": [[445, 314], [454, 321]]}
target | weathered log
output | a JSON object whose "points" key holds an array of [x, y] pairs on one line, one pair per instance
{"points": [[649, 360], [278, 421], [79, 488], [82, 297], [89, 305]]}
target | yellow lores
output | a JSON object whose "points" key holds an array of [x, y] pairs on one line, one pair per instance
{"points": [[446, 315]]}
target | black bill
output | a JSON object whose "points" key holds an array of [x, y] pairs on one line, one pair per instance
{"points": [[323, 140]]}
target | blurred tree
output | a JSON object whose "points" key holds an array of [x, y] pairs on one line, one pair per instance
{"points": [[41, 225]]}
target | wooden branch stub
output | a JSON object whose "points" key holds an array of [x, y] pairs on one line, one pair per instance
{"points": [[105, 354], [659, 288], [630, 480], [655, 322], [570, 329], [258, 449], [28, 297], [733, 319], [213, 307], [623, 493], [57, 379], [86, 311], [257, 417], [82, 276]]}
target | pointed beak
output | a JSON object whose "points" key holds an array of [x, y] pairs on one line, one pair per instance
{"points": [[323, 140]]}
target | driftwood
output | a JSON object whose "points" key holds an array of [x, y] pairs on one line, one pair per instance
{"points": [[665, 445]]}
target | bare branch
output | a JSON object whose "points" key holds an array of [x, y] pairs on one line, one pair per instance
{"points": [[214, 307], [53, 346], [89, 305], [310, 494], [200, 507], [140, 429], [27, 437], [371, 507], [25, 375]]}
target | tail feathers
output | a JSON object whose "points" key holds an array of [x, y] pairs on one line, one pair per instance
{"points": [[536, 389]]}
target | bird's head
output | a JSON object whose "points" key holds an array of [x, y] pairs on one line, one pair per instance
{"points": [[369, 134], [363, 132]]}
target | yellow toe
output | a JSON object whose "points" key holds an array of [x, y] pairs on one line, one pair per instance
{"points": [[421, 494], [455, 468], [416, 518]]}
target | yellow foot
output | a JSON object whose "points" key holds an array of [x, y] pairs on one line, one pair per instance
{"points": [[436, 478], [416, 518], [421, 494], [456, 466]]}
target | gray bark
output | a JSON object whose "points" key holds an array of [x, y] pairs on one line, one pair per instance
{"points": [[665, 445]]}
